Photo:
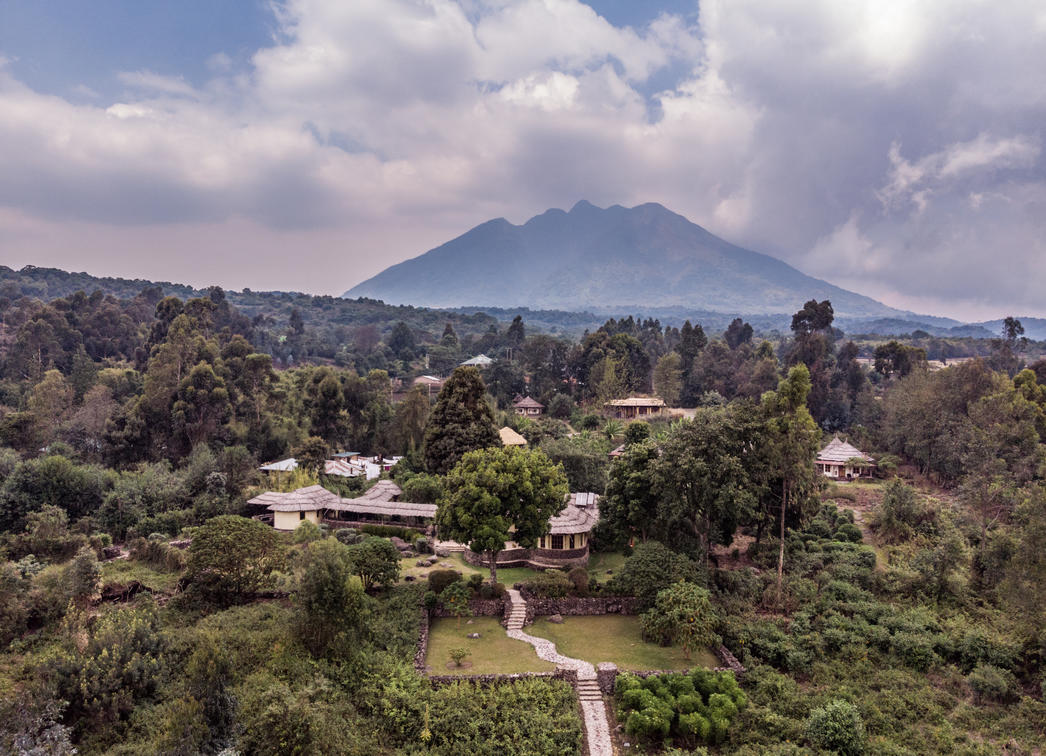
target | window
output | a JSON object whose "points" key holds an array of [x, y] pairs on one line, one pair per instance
{"points": [[301, 515], [557, 541], [571, 540]]}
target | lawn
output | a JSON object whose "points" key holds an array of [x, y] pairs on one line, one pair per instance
{"points": [[492, 653], [600, 563], [615, 638]]}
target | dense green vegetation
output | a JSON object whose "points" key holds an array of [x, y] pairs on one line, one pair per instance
{"points": [[900, 616]]}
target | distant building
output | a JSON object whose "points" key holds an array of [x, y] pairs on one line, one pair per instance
{"points": [[633, 407], [480, 360], [842, 461], [509, 437], [431, 383], [528, 407]]}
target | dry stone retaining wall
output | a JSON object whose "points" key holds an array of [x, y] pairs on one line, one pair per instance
{"points": [[572, 606]]}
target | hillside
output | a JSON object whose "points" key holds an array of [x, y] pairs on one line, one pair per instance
{"points": [[641, 258]]}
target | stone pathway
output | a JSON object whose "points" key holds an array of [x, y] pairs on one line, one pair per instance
{"points": [[596, 726]]}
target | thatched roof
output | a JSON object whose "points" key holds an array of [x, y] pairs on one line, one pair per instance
{"points": [[480, 360], [385, 508], [510, 438], [636, 401], [308, 499], [839, 452], [383, 490], [528, 403], [580, 515]]}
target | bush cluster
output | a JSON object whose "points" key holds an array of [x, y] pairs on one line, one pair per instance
{"points": [[692, 708]]}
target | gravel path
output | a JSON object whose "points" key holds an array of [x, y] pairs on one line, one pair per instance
{"points": [[592, 706]]}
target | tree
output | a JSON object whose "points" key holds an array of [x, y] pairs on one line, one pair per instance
{"points": [[630, 505], [401, 341], [668, 382], [408, 424], [375, 561], [702, 483], [201, 404], [737, 333], [312, 454], [501, 494], [791, 445], [50, 401], [461, 421], [516, 333], [330, 597], [232, 556], [85, 576], [682, 615], [455, 599]]}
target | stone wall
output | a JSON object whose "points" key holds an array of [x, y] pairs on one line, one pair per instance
{"points": [[537, 558], [572, 606], [479, 607], [423, 643]]}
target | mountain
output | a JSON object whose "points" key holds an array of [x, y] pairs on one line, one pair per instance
{"points": [[613, 259]]}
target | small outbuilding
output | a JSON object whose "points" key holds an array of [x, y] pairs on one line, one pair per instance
{"points": [[289, 510], [634, 406], [480, 360], [528, 407], [842, 461]]}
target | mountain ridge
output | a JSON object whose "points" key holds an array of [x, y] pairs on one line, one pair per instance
{"points": [[617, 258]]}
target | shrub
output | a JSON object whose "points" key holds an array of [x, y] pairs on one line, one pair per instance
{"points": [[488, 591], [837, 727], [458, 654], [901, 513], [440, 579], [916, 650], [421, 545], [390, 531], [552, 584], [651, 568], [992, 684], [682, 615], [307, 532], [376, 561], [848, 532], [579, 577], [692, 708], [348, 536], [422, 489]]}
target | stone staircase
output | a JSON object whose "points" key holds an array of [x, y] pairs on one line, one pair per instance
{"points": [[593, 710], [588, 690], [517, 615]]}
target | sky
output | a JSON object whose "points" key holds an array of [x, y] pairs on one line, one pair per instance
{"points": [[892, 147]]}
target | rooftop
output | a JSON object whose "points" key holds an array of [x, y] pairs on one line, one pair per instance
{"points": [[636, 401], [308, 499], [839, 451], [509, 437], [579, 515], [528, 403]]}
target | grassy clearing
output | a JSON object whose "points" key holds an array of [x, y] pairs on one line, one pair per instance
{"points": [[615, 638], [492, 653], [126, 570], [602, 565]]}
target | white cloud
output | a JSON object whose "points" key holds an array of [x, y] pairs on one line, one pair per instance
{"points": [[902, 137]]}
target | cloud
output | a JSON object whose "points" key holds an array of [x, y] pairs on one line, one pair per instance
{"points": [[892, 146]]}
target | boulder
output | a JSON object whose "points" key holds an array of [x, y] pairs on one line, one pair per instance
{"points": [[441, 552], [409, 578], [399, 543], [472, 635], [556, 619]]}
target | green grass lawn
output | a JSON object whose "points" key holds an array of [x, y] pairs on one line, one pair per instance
{"points": [[615, 638], [599, 563], [126, 570], [492, 653]]}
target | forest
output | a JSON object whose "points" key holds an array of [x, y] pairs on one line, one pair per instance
{"points": [[142, 612]]}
